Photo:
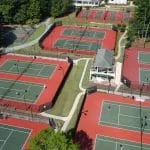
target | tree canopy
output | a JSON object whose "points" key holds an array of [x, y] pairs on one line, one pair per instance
{"points": [[141, 26], [31, 11], [48, 139]]}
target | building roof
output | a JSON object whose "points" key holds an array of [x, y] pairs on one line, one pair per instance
{"points": [[117, 1], [87, 0], [104, 58]]}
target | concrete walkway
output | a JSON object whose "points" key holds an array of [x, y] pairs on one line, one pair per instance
{"points": [[53, 116], [120, 44], [119, 64]]}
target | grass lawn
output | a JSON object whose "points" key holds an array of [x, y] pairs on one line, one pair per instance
{"points": [[86, 82], [37, 33], [69, 92], [75, 116]]}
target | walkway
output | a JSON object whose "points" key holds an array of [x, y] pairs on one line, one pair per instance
{"points": [[120, 45], [119, 64]]}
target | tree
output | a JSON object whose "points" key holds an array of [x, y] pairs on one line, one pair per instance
{"points": [[7, 10], [45, 8], [33, 11], [56, 8], [140, 28], [60, 7], [21, 16], [48, 139]]}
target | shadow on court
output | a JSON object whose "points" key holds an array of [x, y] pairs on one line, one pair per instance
{"points": [[85, 142], [7, 37]]}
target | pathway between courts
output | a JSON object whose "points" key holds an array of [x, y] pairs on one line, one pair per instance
{"points": [[77, 99]]}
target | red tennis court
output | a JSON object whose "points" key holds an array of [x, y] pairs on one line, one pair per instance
{"points": [[102, 15], [136, 68], [79, 39], [97, 125], [30, 83]]}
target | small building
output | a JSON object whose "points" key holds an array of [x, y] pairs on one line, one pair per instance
{"points": [[103, 66], [120, 2], [90, 3]]}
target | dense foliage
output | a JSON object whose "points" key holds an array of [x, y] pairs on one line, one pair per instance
{"points": [[49, 140], [31, 11], [141, 26]]}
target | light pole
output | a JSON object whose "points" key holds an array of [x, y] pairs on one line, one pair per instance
{"points": [[147, 81], [109, 79], [124, 83], [143, 122], [24, 96], [141, 90], [16, 64], [121, 147]]}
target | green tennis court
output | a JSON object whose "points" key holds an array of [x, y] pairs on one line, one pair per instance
{"points": [[107, 143], [125, 116], [84, 33], [27, 68], [19, 91], [77, 45], [144, 57], [12, 138], [144, 76]]}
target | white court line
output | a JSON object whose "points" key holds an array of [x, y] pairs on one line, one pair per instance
{"points": [[11, 89], [128, 105], [119, 115], [11, 68], [131, 116], [18, 82], [116, 145], [3, 124], [6, 140], [119, 124], [15, 98], [30, 85], [76, 44], [94, 34], [99, 139], [90, 46], [25, 68], [23, 96], [13, 129], [65, 43], [40, 70]]}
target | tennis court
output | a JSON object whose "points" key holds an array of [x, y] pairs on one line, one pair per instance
{"points": [[77, 45], [144, 76], [125, 116], [144, 57], [19, 91], [27, 68], [12, 138], [84, 33], [107, 143]]}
